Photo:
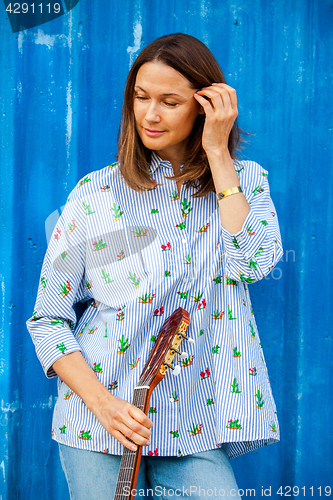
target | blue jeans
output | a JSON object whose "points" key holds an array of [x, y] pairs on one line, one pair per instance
{"points": [[94, 475]]}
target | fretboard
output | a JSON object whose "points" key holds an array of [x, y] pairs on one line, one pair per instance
{"points": [[131, 459]]}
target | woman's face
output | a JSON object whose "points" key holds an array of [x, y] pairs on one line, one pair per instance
{"points": [[165, 110]]}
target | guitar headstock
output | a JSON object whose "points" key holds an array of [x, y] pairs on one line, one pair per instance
{"points": [[167, 344]]}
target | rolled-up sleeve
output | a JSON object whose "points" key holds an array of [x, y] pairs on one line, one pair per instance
{"points": [[52, 323], [252, 252]]}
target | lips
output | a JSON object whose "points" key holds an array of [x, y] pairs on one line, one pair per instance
{"points": [[153, 133]]}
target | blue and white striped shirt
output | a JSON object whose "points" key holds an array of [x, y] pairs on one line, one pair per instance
{"points": [[135, 258]]}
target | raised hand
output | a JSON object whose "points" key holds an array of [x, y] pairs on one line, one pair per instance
{"points": [[219, 103]]}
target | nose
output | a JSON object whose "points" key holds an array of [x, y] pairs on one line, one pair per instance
{"points": [[152, 113]]}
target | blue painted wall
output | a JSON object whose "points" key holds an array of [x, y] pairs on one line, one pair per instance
{"points": [[61, 86]]}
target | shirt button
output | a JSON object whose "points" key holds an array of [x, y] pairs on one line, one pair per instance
{"points": [[184, 240], [185, 280]]}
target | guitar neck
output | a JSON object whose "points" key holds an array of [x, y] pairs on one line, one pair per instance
{"points": [[130, 462]]}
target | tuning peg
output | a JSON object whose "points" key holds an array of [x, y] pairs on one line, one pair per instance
{"points": [[183, 355], [176, 370], [191, 341]]}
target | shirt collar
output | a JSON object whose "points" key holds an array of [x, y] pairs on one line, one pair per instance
{"points": [[157, 162]]}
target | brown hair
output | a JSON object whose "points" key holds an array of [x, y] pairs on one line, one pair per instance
{"points": [[194, 61]]}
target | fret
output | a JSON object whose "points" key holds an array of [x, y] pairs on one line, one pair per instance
{"points": [[122, 468]]}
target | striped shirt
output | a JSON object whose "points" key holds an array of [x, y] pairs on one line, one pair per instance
{"points": [[135, 257]]}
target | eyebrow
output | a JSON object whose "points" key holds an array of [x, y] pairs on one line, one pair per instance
{"points": [[164, 95]]}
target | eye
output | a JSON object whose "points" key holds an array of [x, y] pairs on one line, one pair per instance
{"points": [[141, 98], [171, 104]]}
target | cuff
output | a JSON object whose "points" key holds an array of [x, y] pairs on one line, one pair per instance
{"points": [[246, 242], [55, 346]]}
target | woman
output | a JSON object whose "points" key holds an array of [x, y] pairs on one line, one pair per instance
{"points": [[176, 222]]}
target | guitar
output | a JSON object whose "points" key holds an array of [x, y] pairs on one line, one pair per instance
{"points": [[159, 361]]}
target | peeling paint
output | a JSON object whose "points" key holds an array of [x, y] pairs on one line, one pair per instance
{"points": [[137, 33], [43, 39]]}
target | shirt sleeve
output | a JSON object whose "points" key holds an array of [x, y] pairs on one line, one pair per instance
{"points": [[53, 317], [252, 252]]}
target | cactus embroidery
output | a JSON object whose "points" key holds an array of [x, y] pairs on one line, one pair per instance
{"points": [[273, 426], [245, 279], [230, 281], [185, 208], [233, 424], [174, 397], [182, 295], [210, 402], [106, 277], [87, 208], [196, 297], [62, 348], [260, 401], [65, 289], [230, 313], [253, 371], [203, 229], [85, 435], [253, 333], [153, 453], [167, 247], [196, 429], [113, 386], [234, 386], [181, 226], [117, 213], [68, 394], [152, 410], [187, 259], [218, 314], [236, 353], [84, 181], [205, 374], [134, 364], [71, 226], [258, 190], [159, 312], [218, 279], [146, 298], [62, 429], [99, 245], [187, 361], [140, 231], [175, 434], [97, 368], [123, 345], [134, 280], [216, 349], [235, 242]]}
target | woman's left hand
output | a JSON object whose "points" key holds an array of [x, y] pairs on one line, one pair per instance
{"points": [[221, 113]]}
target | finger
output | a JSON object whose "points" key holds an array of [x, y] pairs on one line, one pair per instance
{"points": [[133, 426], [124, 441], [134, 434], [140, 417], [232, 93], [206, 105], [216, 98]]}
